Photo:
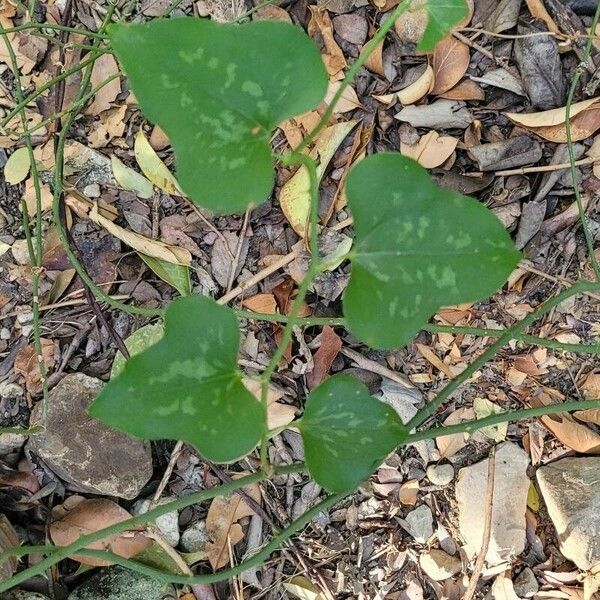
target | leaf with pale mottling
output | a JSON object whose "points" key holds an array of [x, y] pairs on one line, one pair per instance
{"points": [[187, 385], [347, 433], [218, 91], [417, 247]]}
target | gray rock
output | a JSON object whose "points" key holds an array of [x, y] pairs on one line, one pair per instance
{"points": [[419, 523], [571, 490], [115, 583], [194, 538], [526, 584], [440, 474], [88, 455], [11, 442], [511, 485], [22, 595], [167, 524]]}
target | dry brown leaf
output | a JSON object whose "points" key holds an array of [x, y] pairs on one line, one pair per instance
{"points": [[591, 386], [331, 344], [279, 414], [584, 125], [375, 61], [432, 358], [567, 430], [408, 492], [8, 539], [348, 100], [432, 150], [320, 25], [538, 11], [155, 248], [419, 88], [591, 415], [465, 90], [88, 516], [449, 445], [450, 62], [28, 48], [104, 67], [111, 124], [26, 364], [549, 118], [261, 303], [272, 13], [222, 524], [385, 5], [158, 139]]}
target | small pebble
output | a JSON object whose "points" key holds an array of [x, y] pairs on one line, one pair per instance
{"points": [[92, 190], [526, 585], [195, 537], [440, 474], [167, 524]]}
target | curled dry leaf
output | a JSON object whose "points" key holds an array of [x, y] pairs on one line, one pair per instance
{"points": [[294, 196], [375, 61], [91, 515], [432, 150], [419, 88], [450, 62], [222, 524], [153, 167], [464, 90], [8, 539], [143, 244], [261, 303], [26, 364], [320, 25], [104, 66], [323, 358], [347, 102], [279, 414]]}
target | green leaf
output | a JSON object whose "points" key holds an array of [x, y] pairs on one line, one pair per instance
{"points": [[218, 90], [141, 339], [347, 433], [177, 276], [442, 16], [417, 247], [187, 385]]}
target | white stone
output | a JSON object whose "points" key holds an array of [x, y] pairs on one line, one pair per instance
{"points": [[438, 565], [511, 485], [440, 474], [571, 490], [10, 442]]}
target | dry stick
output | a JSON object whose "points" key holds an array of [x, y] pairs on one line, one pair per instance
{"points": [[545, 169], [375, 367], [238, 251], [469, 42], [487, 526]]}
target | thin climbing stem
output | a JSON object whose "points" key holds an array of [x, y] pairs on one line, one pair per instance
{"points": [[35, 245], [57, 554], [429, 409], [589, 238], [505, 417], [34, 25]]}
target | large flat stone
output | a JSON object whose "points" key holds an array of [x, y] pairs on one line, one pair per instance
{"points": [[511, 485], [571, 490], [88, 455]]}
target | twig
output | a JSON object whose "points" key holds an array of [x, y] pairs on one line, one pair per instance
{"points": [[487, 526], [238, 251], [375, 367], [545, 169]]}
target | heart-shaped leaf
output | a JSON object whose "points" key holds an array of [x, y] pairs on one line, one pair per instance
{"points": [[347, 433], [417, 247], [442, 16], [187, 386], [218, 91]]}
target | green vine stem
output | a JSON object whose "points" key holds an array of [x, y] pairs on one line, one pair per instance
{"points": [[35, 250], [57, 554], [515, 415], [32, 25], [589, 238], [429, 409]]}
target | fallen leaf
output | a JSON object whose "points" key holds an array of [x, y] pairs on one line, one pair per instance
{"points": [[26, 364], [449, 445], [375, 61], [129, 179], [418, 89], [104, 66], [279, 414], [484, 408], [8, 539], [549, 118], [323, 358], [450, 62], [348, 100], [320, 25], [153, 167], [301, 587], [432, 150], [568, 430], [176, 275], [464, 90], [17, 166], [411, 24], [294, 196], [91, 515], [503, 589], [538, 11], [591, 386], [222, 524], [261, 303], [432, 358], [408, 492]]}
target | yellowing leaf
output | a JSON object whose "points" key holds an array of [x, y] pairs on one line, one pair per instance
{"points": [[484, 408], [294, 196], [153, 167], [129, 179], [533, 498], [17, 166], [301, 587], [432, 150]]}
